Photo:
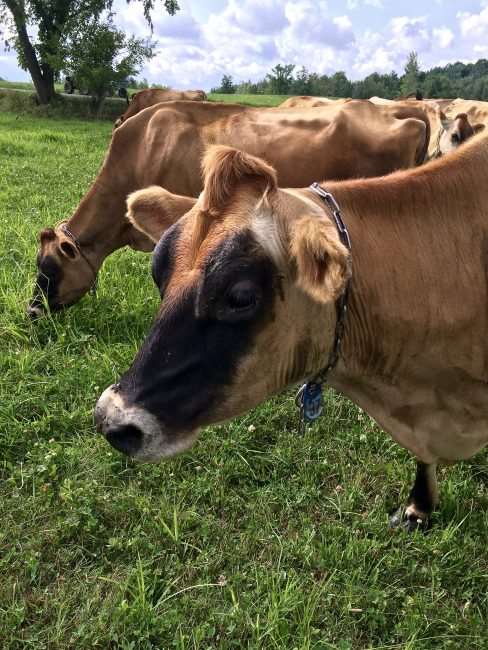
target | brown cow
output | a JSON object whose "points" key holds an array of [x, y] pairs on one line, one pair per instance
{"points": [[464, 118], [163, 145], [252, 276], [150, 96], [456, 132], [434, 113], [307, 101], [476, 111]]}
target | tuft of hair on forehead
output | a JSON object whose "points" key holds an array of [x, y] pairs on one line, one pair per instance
{"points": [[46, 235], [224, 169]]}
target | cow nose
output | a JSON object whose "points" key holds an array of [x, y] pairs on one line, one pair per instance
{"points": [[127, 439], [34, 312]]}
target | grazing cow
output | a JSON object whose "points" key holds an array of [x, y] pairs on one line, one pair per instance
{"points": [[456, 132], [163, 145], [476, 111], [150, 96], [464, 118], [254, 277], [305, 101]]}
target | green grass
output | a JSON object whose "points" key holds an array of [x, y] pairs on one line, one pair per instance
{"points": [[254, 539], [251, 100], [16, 100]]}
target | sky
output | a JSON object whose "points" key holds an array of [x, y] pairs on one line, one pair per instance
{"points": [[246, 38]]}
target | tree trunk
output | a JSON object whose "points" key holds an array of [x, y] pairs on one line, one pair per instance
{"points": [[43, 79], [97, 102]]}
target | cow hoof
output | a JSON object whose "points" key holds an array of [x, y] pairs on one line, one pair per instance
{"points": [[408, 520]]}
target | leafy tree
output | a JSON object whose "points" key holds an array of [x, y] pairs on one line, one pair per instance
{"points": [[302, 84], [340, 86], [52, 22], [280, 79], [410, 80], [226, 85], [99, 57], [382, 85]]}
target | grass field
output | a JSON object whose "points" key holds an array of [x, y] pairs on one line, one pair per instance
{"points": [[254, 539], [251, 100]]}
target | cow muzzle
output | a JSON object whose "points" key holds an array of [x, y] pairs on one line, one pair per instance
{"points": [[134, 431], [35, 311]]}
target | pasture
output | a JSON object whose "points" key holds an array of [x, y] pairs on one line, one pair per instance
{"points": [[256, 538]]}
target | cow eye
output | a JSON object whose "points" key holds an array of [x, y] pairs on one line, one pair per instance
{"points": [[241, 296], [241, 301], [455, 137]]}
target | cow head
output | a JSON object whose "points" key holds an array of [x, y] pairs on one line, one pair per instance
{"points": [[456, 132], [248, 280], [64, 273]]}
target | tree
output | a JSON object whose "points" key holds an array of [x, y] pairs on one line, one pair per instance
{"points": [[100, 57], [53, 21], [410, 80], [280, 79], [226, 85], [340, 85], [302, 84]]}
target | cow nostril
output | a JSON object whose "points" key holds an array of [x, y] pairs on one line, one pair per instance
{"points": [[35, 312], [127, 439]]}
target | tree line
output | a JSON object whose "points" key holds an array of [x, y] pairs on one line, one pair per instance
{"points": [[468, 80]]}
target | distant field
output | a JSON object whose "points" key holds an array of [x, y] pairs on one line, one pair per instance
{"points": [[254, 539], [252, 100]]}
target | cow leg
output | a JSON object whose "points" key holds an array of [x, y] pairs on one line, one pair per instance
{"points": [[421, 502]]}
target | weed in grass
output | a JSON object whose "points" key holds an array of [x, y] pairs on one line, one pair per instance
{"points": [[254, 539]]}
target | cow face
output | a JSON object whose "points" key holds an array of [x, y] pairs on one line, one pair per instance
{"points": [[456, 132], [248, 279], [64, 274]]}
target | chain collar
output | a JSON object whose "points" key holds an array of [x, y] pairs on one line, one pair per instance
{"points": [[64, 228], [309, 397]]}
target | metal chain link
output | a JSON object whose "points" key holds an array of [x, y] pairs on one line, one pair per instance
{"points": [[341, 304]]}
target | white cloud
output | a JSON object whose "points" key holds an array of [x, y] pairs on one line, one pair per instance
{"points": [[312, 22], [246, 38], [473, 25], [372, 56], [443, 36], [409, 34], [343, 22], [256, 16], [354, 4]]}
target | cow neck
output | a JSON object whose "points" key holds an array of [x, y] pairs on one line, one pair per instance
{"points": [[407, 232], [99, 223]]}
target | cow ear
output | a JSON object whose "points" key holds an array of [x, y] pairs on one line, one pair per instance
{"points": [[323, 262], [154, 210], [46, 236], [478, 128], [224, 168]]}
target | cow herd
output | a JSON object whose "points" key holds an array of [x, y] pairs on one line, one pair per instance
{"points": [[255, 274]]}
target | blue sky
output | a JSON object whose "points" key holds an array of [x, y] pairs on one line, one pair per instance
{"points": [[246, 38]]}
